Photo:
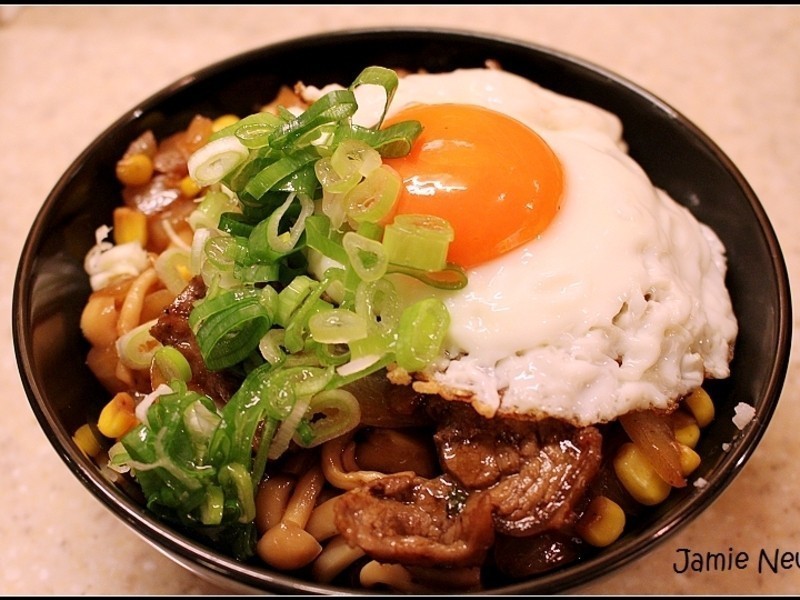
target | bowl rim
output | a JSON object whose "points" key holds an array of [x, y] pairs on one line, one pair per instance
{"points": [[215, 566]]}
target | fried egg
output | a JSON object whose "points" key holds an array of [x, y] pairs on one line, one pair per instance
{"points": [[591, 292]]}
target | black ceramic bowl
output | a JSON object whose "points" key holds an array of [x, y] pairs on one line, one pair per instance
{"points": [[51, 287]]}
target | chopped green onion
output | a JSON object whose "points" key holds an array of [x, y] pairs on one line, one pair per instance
{"points": [[252, 274], [358, 368], [254, 130], [333, 106], [200, 420], [373, 231], [118, 458], [137, 347], [262, 453], [379, 303], [367, 257], [271, 346], [332, 355], [213, 161], [394, 141], [324, 239], [418, 241], [291, 298], [285, 241], [303, 181], [298, 322], [333, 182], [237, 477], [380, 76], [224, 251], [211, 510], [421, 333], [372, 199], [354, 156], [340, 412], [337, 326], [172, 364], [235, 224], [213, 304], [211, 207], [333, 207], [286, 430], [292, 194], [365, 351], [452, 277], [228, 335], [275, 173], [173, 267]]}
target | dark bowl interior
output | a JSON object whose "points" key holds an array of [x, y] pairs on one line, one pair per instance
{"points": [[51, 286]]}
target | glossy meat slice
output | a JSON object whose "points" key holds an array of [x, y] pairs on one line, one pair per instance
{"points": [[518, 478], [416, 521], [534, 472]]}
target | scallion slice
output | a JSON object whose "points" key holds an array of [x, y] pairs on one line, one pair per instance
{"points": [[333, 182], [337, 326], [229, 327], [380, 76], [173, 267], [394, 141], [418, 241], [331, 413], [421, 333], [452, 277], [254, 130], [320, 236], [137, 347], [275, 173], [332, 107], [366, 256], [213, 161], [172, 364], [374, 197], [285, 241]]}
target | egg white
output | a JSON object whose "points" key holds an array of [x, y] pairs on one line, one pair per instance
{"points": [[619, 305]]}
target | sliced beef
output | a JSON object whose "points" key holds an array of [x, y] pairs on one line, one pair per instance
{"points": [[501, 476], [534, 472], [172, 328], [416, 521]]}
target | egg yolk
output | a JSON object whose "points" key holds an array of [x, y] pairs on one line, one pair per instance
{"points": [[494, 179]]}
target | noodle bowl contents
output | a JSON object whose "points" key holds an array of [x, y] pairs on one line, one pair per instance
{"points": [[424, 332]]}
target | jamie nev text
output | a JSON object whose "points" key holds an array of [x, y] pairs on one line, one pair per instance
{"points": [[774, 560]]}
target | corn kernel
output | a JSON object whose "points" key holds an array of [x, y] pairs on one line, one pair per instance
{"points": [[130, 225], [189, 187], [87, 441], [690, 459], [638, 476], [136, 169], [701, 405], [117, 417], [685, 428], [223, 122], [602, 523]]}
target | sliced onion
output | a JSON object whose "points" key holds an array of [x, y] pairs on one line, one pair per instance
{"points": [[653, 435]]}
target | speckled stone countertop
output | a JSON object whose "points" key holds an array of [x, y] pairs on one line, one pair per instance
{"points": [[66, 73]]}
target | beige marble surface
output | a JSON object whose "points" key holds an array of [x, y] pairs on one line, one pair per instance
{"points": [[67, 72]]}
